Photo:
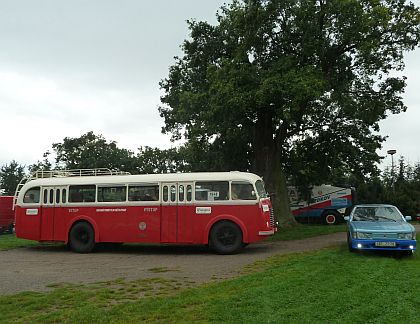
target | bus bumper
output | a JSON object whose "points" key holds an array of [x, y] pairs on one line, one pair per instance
{"points": [[266, 233]]}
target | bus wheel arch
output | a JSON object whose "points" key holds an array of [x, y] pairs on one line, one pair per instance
{"points": [[226, 237], [330, 217], [81, 238]]}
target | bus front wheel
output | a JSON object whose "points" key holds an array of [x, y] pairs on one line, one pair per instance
{"points": [[226, 238], [82, 238]]}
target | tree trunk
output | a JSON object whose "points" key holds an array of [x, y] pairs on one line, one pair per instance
{"points": [[280, 199], [268, 165]]}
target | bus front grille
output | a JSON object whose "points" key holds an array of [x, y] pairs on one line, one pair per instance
{"points": [[272, 220]]}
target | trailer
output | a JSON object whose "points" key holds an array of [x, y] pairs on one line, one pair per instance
{"points": [[324, 203], [7, 215]]}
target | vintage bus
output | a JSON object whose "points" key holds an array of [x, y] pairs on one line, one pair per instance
{"points": [[224, 210]]}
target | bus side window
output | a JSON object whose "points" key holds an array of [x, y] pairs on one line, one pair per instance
{"points": [[189, 193], [32, 196], [173, 193], [145, 192], [64, 195], [165, 193], [243, 191], [57, 196], [82, 193], [181, 193], [45, 196], [212, 190], [112, 193]]}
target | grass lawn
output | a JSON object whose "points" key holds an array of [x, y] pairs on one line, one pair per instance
{"points": [[10, 241], [301, 231], [331, 286]]}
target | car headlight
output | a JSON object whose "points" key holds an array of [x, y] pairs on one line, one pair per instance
{"points": [[362, 235], [407, 236]]}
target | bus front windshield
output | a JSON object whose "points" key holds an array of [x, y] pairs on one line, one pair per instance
{"points": [[259, 185]]}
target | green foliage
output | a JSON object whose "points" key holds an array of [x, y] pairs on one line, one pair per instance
{"points": [[155, 160], [91, 151], [399, 186], [45, 164], [10, 175], [402, 187], [94, 151]]}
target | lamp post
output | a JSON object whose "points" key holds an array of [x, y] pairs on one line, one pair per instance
{"points": [[392, 152]]}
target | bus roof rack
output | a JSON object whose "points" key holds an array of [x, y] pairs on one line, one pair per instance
{"points": [[75, 173], [39, 174]]}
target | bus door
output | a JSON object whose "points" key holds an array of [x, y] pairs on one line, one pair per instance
{"points": [[169, 217], [52, 197], [176, 212], [186, 212]]}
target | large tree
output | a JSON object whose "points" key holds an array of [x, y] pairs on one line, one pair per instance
{"points": [[291, 86]]}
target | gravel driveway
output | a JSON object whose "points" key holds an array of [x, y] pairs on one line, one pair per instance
{"points": [[34, 268]]}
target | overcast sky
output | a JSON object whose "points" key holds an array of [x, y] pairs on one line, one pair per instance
{"points": [[69, 67]]}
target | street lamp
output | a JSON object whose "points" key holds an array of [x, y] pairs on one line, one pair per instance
{"points": [[392, 152]]}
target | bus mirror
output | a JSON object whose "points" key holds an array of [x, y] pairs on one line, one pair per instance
{"points": [[346, 218]]}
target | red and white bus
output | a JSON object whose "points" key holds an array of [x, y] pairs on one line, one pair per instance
{"points": [[226, 210]]}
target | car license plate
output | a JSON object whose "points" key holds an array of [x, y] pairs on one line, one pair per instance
{"points": [[385, 244]]}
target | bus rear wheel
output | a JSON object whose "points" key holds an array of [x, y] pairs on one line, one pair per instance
{"points": [[226, 238], [82, 238]]}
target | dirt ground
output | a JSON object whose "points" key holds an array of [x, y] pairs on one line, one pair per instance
{"points": [[36, 268]]}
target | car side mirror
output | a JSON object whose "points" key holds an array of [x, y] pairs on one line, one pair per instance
{"points": [[407, 218], [346, 218]]}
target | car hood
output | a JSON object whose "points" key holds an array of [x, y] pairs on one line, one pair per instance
{"points": [[382, 226]]}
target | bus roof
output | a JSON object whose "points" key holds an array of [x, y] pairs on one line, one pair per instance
{"points": [[145, 178]]}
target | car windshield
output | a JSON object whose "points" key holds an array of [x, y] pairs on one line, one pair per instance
{"points": [[377, 213]]}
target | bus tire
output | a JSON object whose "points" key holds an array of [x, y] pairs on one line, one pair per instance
{"points": [[330, 217], [226, 238], [82, 238]]}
